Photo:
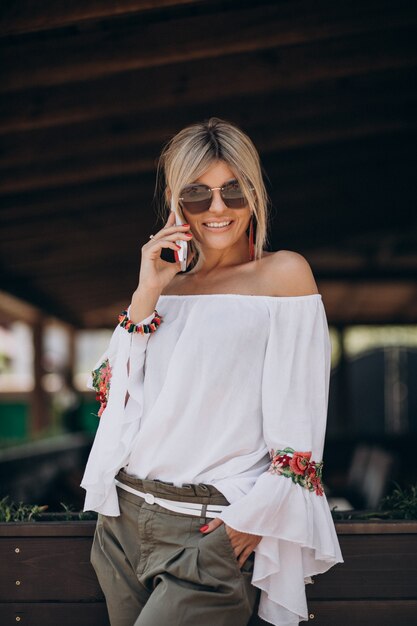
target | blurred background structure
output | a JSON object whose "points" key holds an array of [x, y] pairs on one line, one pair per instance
{"points": [[90, 92]]}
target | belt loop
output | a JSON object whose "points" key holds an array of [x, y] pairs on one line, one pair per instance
{"points": [[203, 513]]}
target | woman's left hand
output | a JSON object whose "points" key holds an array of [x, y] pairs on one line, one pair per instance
{"points": [[243, 543]]}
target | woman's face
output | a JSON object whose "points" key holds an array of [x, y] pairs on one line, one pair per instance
{"points": [[219, 238]]}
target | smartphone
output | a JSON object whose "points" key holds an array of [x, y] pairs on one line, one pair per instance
{"points": [[180, 255]]}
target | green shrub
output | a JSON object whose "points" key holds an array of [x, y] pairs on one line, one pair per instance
{"points": [[401, 503], [19, 512]]}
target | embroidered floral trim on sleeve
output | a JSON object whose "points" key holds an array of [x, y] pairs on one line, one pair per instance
{"points": [[298, 467], [101, 383]]}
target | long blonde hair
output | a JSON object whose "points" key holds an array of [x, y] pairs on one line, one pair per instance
{"points": [[187, 155]]}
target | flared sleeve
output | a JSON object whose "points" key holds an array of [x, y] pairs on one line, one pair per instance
{"points": [[121, 370], [287, 506]]}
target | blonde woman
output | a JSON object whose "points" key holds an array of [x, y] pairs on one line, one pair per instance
{"points": [[206, 466]]}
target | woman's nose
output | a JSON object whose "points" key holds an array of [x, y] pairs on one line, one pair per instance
{"points": [[217, 203]]}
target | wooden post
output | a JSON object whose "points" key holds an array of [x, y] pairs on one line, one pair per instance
{"points": [[40, 411], [71, 352], [344, 425]]}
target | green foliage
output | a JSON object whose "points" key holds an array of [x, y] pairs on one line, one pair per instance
{"points": [[19, 512], [401, 503]]}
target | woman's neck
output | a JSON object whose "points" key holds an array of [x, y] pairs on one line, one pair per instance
{"points": [[214, 261]]}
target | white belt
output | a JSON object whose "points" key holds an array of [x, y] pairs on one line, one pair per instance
{"points": [[189, 508]]}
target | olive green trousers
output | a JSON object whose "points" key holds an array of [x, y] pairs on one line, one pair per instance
{"points": [[156, 568]]}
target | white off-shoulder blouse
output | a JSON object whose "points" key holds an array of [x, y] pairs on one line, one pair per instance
{"points": [[231, 390]]}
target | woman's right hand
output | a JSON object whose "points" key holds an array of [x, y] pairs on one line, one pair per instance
{"points": [[155, 273]]}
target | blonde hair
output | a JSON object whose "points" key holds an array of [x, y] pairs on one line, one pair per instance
{"points": [[187, 155]]}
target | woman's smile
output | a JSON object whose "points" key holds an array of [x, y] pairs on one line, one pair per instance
{"points": [[218, 226]]}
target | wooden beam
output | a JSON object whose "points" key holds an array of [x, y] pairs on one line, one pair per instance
{"points": [[137, 158], [282, 68], [335, 211], [402, 303], [83, 169], [322, 212], [135, 43], [328, 220], [260, 115], [82, 199], [127, 273], [26, 16], [65, 257], [313, 165], [379, 300], [117, 251], [371, 274], [43, 237], [102, 291], [401, 307], [23, 288], [17, 309]]}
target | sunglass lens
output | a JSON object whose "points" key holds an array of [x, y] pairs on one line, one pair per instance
{"points": [[196, 198], [233, 195]]}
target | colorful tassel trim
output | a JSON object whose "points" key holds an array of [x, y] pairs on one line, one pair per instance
{"points": [[126, 323]]}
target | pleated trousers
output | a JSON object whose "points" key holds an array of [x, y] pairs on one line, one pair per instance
{"points": [[156, 568]]}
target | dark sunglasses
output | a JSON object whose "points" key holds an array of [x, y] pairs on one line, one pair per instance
{"points": [[197, 197]]}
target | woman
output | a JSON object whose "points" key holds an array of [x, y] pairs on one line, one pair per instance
{"points": [[206, 466]]}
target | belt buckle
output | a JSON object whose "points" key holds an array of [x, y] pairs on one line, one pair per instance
{"points": [[149, 498]]}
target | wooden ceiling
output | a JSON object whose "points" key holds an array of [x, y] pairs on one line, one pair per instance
{"points": [[91, 90]]}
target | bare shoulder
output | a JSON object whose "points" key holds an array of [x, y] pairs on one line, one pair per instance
{"points": [[291, 274]]}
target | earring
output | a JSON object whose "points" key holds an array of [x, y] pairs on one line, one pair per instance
{"points": [[251, 241]]}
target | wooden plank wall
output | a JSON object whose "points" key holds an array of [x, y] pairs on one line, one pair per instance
{"points": [[47, 579]]}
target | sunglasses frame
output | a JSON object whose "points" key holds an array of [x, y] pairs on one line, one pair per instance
{"points": [[210, 199]]}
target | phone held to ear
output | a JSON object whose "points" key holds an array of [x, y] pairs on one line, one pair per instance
{"points": [[180, 255]]}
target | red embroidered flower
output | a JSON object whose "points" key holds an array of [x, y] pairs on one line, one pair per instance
{"points": [[283, 460], [276, 465], [311, 469], [101, 383], [299, 467], [316, 482], [102, 406], [299, 462]]}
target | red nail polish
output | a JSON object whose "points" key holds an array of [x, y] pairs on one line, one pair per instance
{"points": [[203, 528]]}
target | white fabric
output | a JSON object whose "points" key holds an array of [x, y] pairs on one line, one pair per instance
{"points": [[119, 421], [223, 380]]}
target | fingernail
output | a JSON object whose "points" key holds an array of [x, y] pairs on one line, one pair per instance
{"points": [[204, 528]]}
